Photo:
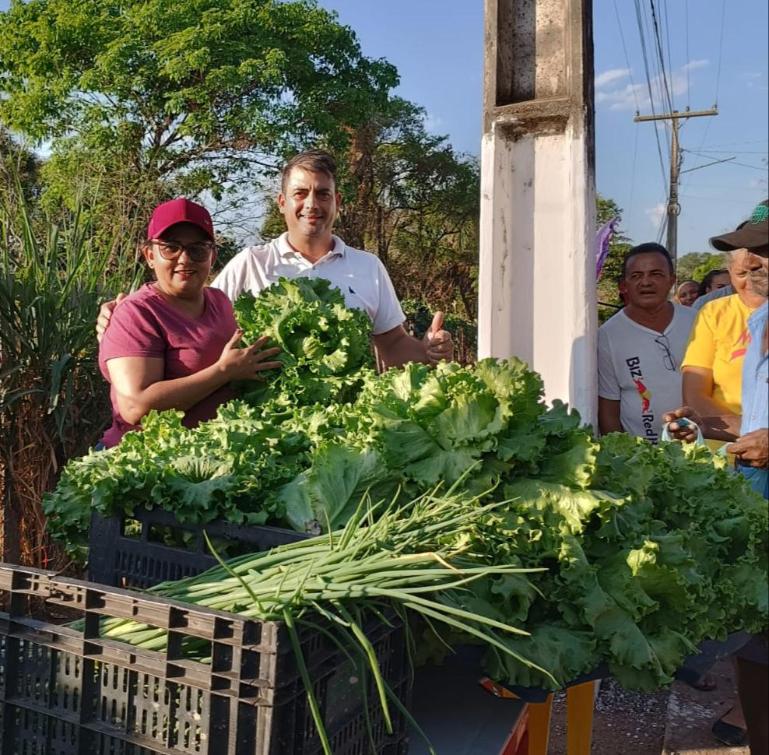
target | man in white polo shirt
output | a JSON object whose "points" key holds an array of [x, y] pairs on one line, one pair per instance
{"points": [[309, 203], [641, 347]]}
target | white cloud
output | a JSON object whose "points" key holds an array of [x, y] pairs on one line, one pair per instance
{"points": [[693, 65], [613, 74], [633, 96], [656, 215]]}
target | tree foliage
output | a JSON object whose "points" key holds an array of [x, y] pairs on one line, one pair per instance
{"points": [[695, 265], [716, 262], [196, 92], [415, 202]]}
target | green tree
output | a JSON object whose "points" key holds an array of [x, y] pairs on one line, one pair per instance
{"points": [[188, 96], [714, 262], [695, 265], [415, 202]]}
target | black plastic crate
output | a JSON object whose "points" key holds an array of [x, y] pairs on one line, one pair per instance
{"points": [[69, 692], [134, 551]]}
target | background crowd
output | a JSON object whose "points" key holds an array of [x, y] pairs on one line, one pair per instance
{"points": [[694, 365]]}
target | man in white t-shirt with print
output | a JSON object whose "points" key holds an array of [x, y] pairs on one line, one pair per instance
{"points": [[309, 203], [641, 347]]}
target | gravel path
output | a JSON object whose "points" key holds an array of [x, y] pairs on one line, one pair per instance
{"points": [[672, 722], [625, 723]]}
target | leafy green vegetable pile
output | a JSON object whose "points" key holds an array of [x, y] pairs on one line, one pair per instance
{"points": [[324, 345], [658, 550], [646, 550]]}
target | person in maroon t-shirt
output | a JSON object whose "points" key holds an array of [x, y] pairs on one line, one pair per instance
{"points": [[173, 343]]}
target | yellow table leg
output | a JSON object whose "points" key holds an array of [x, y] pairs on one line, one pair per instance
{"points": [[539, 726], [580, 700]]}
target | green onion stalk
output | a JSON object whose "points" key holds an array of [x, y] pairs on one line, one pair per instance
{"points": [[409, 558]]}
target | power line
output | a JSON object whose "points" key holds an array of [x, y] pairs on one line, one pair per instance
{"points": [[720, 49], [657, 80], [731, 162], [705, 134], [658, 62], [718, 71], [733, 151], [631, 204], [663, 228], [709, 153], [661, 56], [639, 21], [627, 57], [762, 168], [667, 36], [744, 141], [707, 165]]}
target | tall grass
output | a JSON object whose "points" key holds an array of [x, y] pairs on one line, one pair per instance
{"points": [[53, 402]]}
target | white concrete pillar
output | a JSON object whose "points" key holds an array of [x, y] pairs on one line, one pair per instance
{"points": [[537, 264]]}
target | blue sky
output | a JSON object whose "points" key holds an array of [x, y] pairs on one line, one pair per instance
{"points": [[437, 46]]}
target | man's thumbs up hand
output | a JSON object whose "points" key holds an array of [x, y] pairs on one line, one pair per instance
{"points": [[438, 341]]}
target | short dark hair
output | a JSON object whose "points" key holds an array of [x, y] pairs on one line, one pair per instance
{"points": [[314, 160], [708, 280], [650, 247]]}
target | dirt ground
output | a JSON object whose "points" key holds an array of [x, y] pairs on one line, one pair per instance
{"points": [[672, 722], [691, 714], [625, 723]]}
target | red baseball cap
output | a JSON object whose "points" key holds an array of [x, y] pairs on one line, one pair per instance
{"points": [[179, 210]]}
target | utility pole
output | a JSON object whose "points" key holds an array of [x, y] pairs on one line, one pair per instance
{"points": [[674, 207], [537, 225]]}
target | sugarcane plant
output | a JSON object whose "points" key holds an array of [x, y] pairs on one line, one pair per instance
{"points": [[52, 404]]}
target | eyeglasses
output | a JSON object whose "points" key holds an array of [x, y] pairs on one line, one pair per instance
{"points": [[667, 359], [197, 251]]}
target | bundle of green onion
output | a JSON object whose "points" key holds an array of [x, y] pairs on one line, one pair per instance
{"points": [[410, 559]]}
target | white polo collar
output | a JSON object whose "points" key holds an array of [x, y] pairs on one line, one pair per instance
{"points": [[286, 250]]}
